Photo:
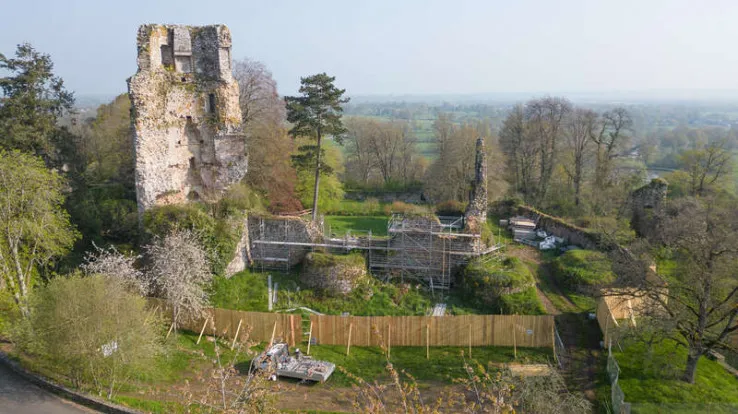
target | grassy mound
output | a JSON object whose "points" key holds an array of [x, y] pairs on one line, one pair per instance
{"points": [[332, 274], [580, 270], [502, 286], [247, 291]]}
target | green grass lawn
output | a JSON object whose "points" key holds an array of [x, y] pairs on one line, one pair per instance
{"points": [[445, 363], [247, 291], [650, 380], [361, 225]]}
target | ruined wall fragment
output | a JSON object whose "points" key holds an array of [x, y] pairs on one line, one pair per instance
{"points": [[476, 211]]}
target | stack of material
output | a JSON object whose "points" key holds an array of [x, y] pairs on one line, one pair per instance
{"points": [[523, 228]]}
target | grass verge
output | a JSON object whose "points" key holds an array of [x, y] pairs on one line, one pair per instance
{"points": [[649, 377]]}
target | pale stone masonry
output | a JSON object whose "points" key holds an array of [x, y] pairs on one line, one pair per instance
{"points": [[476, 211], [186, 116]]}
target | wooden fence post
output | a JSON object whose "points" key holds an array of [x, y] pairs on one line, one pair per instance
{"points": [[235, 337], [470, 341], [202, 331], [310, 337], [515, 345], [348, 346], [389, 340], [427, 341], [292, 329]]}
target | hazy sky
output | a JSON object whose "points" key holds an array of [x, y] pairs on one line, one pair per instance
{"points": [[409, 47]]}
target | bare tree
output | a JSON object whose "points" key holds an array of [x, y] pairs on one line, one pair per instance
{"points": [[698, 308], [227, 389], [609, 138], [112, 263], [360, 160], [579, 129], [452, 172], [259, 100], [707, 166], [546, 118], [443, 127], [180, 274], [263, 114], [520, 151]]}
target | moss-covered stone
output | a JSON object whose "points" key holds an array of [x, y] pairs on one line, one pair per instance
{"points": [[333, 274], [504, 286]]}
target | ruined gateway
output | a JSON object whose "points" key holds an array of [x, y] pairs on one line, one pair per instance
{"points": [[185, 114]]}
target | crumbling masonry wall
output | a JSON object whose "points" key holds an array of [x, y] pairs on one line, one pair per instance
{"points": [[476, 211], [185, 114], [646, 205]]}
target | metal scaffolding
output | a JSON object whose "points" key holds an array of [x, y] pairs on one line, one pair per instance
{"points": [[423, 249]]}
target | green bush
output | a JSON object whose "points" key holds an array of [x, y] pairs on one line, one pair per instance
{"points": [[583, 269], [504, 286], [450, 208], [525, 302], [405, 208], [218, 236], [93, 330]]}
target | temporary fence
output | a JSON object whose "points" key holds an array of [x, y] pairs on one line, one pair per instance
{"points": [[256, 326], [617, 396], [464, 330]]}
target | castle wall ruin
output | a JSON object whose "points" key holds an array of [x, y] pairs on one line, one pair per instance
{"points": [[185, 114]]}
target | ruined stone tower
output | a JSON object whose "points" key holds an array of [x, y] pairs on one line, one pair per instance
{"points": [[186, 116], [476, 211], [646, 204]]}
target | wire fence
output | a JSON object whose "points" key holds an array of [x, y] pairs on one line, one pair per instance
{"points": [[617, 396]]}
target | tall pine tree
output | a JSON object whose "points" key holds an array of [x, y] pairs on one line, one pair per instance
{"points": [[314, 114]]}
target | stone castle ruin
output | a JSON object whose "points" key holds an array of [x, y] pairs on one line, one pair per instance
{"points": [[185, 114], [190, 146], [421, 248]]}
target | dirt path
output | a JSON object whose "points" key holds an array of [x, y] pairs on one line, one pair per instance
{"points": [[581, 336]]}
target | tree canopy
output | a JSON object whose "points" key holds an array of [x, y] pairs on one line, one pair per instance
{"points": [[314, 114], [31, 102], [35, 227]]}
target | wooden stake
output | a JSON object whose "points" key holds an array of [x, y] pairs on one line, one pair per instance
{"points": [[515, 345], [348, 346], [553, 343], [470, 342], [427, 341], [170, 330], [389, 340], [310, 337], [235, 337], [274, 331], [202, 331], [292, 329]]}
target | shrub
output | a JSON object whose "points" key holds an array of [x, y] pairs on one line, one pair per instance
{"points": [[582, 270], [239, 198], [450, 208], [405, 208], [506, 285], [93, 330], [218, 236]]}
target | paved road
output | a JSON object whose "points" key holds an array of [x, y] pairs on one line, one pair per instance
{"points": [[18, 396]]}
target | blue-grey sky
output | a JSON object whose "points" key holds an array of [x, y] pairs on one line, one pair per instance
{"points": [[410, 47]]}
